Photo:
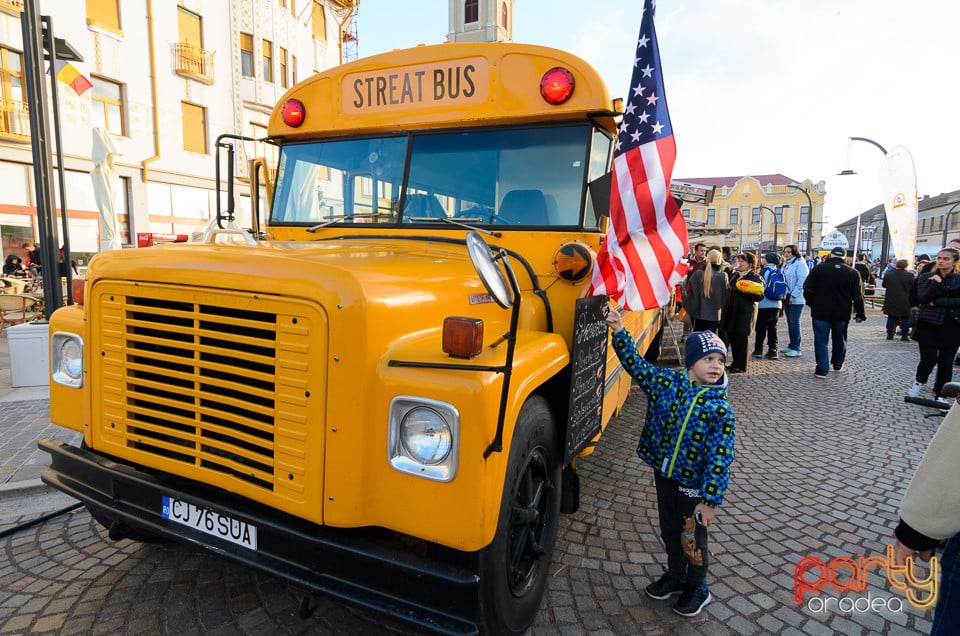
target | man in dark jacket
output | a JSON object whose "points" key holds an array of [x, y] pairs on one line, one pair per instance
{"points": [[832, 289], [896, 300]]}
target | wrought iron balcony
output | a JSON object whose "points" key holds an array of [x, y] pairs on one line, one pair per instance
{"points": [[14, 120], [193, 62]]}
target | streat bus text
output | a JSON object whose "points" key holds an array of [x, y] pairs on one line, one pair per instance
{"points": [[379, 390]]}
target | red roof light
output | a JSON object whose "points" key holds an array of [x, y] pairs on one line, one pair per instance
{"points": [[293, 113], [556, 86]]}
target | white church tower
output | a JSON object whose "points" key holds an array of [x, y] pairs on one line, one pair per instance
{"points": [[481, 21]]}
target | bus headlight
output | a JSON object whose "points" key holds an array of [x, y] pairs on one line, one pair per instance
{"points": [[66, 364], [423, 437]]}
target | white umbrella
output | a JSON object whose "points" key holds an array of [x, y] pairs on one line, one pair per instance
{"points": [[105, 179]]}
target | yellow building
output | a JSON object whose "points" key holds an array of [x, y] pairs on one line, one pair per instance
{"points": [[758, 211]]}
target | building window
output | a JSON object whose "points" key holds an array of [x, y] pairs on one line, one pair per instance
{"points": [[754, 216], [686, 213], [470, 11], [503, 15], [14, 114], [734, 216], [104, 13], [319, 22], [194, 127], [293, 67], [246, 54], [804, 213], [778, 214], [923, 225], [267, 61], [711, 216], [106, 109], [283, 68]]}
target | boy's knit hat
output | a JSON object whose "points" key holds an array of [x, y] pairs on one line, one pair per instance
{"points": [[773, 258], [700, 344]]}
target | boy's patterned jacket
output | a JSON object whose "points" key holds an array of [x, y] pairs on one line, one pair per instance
{"points": [[688, 434]]}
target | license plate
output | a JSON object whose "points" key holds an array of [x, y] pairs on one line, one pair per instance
{"points": [[210, 522]]}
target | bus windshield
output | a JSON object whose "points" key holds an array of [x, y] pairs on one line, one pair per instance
{"points": [[532, 177]]}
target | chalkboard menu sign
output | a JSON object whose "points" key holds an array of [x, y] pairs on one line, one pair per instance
{"points": [[587, 373]]}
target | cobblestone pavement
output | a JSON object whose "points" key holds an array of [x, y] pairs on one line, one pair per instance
{"points": [[820, 468]]}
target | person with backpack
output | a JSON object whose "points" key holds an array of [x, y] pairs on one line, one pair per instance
{"points": [[768, 310]]}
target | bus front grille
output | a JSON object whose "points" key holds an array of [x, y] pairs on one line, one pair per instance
{"points": [[209, 385]]}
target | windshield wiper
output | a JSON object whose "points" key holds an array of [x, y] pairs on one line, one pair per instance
{"points": [[444, 219], [346, 217]]}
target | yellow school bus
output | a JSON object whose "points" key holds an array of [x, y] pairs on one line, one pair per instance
{"points": [[380, 389]]}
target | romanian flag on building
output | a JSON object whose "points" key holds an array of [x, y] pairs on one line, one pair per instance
{"points": [[69, 75], [642, 257]]}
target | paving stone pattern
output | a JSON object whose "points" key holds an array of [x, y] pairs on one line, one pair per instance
{"points": [[820, 468]]}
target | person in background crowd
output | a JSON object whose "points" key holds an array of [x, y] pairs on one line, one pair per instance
{"points": [[831, 289], [938, 322], [795, 272], [727, 255], [768, 313], [923, 264], [699, 257], [865, 270], [33, 258], [896, 300], [739, 318], [705, 294], [810, 260], [13, 267], [930, 513], [891, 265]]}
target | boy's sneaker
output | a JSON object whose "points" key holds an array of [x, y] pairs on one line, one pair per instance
{"points": [[792, 353], [664, 587], [820, 374], [692, 600], [757, 353], [915, 389], [944, 403], [772, 355]]}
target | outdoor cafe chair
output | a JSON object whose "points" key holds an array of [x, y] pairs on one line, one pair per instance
{"points": [[17, 308]]}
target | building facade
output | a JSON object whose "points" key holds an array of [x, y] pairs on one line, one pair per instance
{"points": [[480, 20], [167, 79], [759, 212], [938, 221]]}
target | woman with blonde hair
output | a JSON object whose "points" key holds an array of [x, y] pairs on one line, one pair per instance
{"points": [[705, 293]]}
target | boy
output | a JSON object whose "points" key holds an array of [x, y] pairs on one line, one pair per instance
{"points": [[687, 439]]}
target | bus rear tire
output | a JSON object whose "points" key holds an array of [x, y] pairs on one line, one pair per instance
{"points": [[514, 567]]}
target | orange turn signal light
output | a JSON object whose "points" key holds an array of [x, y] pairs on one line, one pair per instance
{"points": [[462, 337]]}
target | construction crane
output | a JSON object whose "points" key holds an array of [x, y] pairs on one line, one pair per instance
{"points": [[346, 12]]}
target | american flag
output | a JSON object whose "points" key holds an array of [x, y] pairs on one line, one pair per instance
{"points": [[641, 257]]}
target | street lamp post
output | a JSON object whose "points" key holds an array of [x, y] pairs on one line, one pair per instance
{"points": [[809, 215], [946, 222], [885, 244], [776, 227]]}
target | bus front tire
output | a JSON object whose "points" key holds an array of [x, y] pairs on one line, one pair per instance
{"points": [[514, 567]]}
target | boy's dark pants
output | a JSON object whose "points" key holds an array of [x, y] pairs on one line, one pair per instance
{"points": [[675, 502]]}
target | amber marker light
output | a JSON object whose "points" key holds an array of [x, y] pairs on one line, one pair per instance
{"points": [[462, 337], [293, 113], [556, 85]]}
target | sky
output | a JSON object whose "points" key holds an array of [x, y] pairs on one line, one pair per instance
{"points": [[760, 86]]}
